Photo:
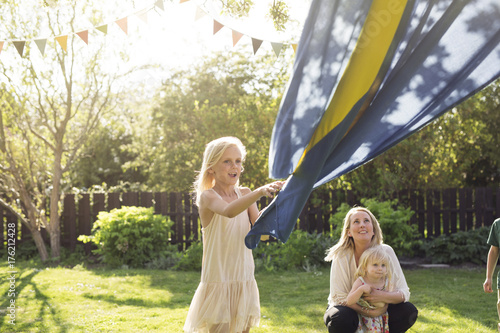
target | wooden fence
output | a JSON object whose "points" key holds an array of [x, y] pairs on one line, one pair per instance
{"points": [[436, 212]]}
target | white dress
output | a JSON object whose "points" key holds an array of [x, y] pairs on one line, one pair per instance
{"points": [[227, 298]]}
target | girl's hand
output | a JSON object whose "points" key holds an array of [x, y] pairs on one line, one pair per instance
{"points": [[268, 190], [366, 290]]}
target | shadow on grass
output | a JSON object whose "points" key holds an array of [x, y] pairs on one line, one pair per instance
{"points": [[46, 312], [177, 287]]}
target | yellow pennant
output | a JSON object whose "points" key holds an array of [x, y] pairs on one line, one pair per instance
{"points": [[63, 41]]}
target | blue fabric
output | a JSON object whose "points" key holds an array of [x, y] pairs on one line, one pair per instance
{"points": [[441, 53]]}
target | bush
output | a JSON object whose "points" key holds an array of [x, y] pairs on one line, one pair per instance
{"points": [[398, 233], [302, 251], [132, 236], [191, 258], [458, 248]]}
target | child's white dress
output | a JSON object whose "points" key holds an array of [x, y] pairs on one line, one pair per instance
{"points": [[227, 298], [379, 324]]}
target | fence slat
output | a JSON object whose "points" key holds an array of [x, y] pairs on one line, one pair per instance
{"points": [[68, 234]]}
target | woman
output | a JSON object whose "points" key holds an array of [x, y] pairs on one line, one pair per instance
{"points": [[361, 231]]}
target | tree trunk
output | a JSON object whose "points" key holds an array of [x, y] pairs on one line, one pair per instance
{"points": [[55, 238], [40, 244]]}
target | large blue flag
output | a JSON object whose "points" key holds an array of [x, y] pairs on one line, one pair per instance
{"points": [[367, 74]]}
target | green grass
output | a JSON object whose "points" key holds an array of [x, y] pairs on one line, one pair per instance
{"points": [[101, 300]]}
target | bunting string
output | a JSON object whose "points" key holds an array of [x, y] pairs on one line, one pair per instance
{"points": [[122, 23]]}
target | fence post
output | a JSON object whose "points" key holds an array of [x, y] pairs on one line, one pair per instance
{"points": [[130, 199], [146, 199], [453, 209], [84, 218], [68, 236], [113, 201], [446, 211]]}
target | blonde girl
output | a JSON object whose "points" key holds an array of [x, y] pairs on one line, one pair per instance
{"points": [[373, 273], [227, 298]]}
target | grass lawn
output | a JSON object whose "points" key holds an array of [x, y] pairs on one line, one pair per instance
{"points": [[103, 300]]}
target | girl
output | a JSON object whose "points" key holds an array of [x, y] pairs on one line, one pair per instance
{"points": [[227, 298], [373, 273]]}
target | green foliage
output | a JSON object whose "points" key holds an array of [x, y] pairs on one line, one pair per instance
{"points": [[131, 236], [302, 251], [458, 248], [225, 95], [191, 258], [394, 222]]}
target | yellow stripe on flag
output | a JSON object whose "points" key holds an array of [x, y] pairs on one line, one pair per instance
{"points": [[368, 56]]}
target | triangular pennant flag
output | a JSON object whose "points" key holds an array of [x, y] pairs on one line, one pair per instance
{"points": [[294, 46], [63, 41], [20, 46], [217, 26], [122, 23], [84, 35], [159, 4], [256, 43], [1, 46], [277, 48], [236, 37], [199, 13], [103, 28], [41, 45], [143, 15]]}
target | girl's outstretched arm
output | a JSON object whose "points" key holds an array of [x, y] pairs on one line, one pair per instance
{"points": [[210, 202]]}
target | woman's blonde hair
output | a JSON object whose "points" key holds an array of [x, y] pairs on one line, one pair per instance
{"points": [[375, 254], [345, 242], [213, 152]]}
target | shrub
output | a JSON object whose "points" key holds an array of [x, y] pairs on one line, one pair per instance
{"points": [[191, 258], [458, 248], [131, 236], [394, 223], [302, 251]]}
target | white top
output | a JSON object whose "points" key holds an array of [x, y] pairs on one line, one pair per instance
{"points": [[343, 271]]}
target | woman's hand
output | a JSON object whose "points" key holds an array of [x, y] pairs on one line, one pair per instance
{"points": [[376, 296], [374, 312]]}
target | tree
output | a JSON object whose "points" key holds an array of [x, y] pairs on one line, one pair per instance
{"points": [[226, 94], [50, 106]]}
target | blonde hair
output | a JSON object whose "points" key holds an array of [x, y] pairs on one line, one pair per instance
{"points": [[375, 254], [345, 242], [213, 152]]}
